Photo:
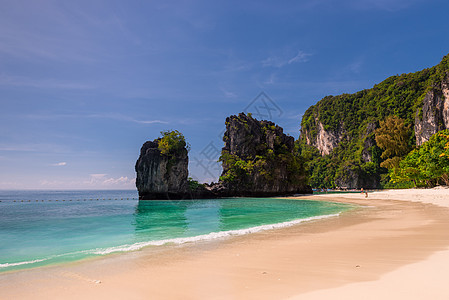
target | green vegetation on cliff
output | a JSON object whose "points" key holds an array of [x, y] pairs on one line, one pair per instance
{"points": [[351, 119], [173, 145], [172, 142], [427, 165], [243, 169], [392, 137], [260, 154]]}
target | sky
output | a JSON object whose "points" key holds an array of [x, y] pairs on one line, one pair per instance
{"points": [[83, 84]]}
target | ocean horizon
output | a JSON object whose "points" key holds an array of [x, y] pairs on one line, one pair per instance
{"points": [[39, 228]]}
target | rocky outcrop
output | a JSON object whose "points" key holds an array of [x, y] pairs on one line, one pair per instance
{"points": [[369, 142], [351, 175], [337, 133], [247, 137], [433, 116], [161, 176], [260, 162], [324, 140], [259, 159]]}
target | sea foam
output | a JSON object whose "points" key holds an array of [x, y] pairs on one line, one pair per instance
{"points": [[176, 241], [6, 265], [207, 237]]}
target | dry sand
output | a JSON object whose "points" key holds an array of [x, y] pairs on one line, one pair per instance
{"points": [[392, 248], [425, 279]]}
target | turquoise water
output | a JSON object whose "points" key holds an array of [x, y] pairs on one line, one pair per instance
{"points": [[46, 227]]}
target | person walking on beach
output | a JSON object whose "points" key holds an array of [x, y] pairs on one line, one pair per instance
{"points": [[362, 191]]}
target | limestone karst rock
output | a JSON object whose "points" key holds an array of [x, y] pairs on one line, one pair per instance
{"points": [[260, 160], [271, 167], [161, 176]]}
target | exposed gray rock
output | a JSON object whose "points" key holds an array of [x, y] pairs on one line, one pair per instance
{"points": [[351, 176], [264, 144], [435, 113], [368, 143], [161, 176], [324, 140]]}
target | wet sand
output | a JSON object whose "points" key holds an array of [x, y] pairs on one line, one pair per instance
{"points": [[387, 249]]}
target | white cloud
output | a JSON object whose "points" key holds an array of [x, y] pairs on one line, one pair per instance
{"points": [[94, 182], [120, 180], [149, 121], [60, 164], [112, 116], [125, 118], [356, 65], [280, 61], [300, 57], [228, 94], [10, 185], [104, 181], [97, 176], [271, 80], [273, 61]]}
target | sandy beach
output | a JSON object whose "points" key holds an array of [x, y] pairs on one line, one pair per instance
{"points": [[395, 246]]}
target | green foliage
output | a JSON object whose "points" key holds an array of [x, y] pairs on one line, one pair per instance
{"points": [[241, 169], [172, 142], [397, 95], [427, 165], [193, 184], [350, 115], [399, 185], [393, 136]]}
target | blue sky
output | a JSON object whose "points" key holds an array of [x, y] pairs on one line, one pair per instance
{"points": [[83, 84]]}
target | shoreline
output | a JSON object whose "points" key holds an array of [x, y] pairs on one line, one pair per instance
{"points": [[306, 261], [101, 253]]}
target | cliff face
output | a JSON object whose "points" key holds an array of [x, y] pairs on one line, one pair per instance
{"points": [[434, 114], [259, 159], [338, 132], [369, 143], [161, 176], [247, 137], [324, 140]]}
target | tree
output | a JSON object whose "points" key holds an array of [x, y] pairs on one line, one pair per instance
{"points": [[427, 165], [392, 136], [172, 142]]}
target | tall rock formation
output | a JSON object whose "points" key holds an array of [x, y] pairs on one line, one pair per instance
{"points": [[161, 176], [433, 116], [260, 160], [338, 132]]}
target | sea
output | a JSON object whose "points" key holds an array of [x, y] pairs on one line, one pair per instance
{"points": [[39, 228]]}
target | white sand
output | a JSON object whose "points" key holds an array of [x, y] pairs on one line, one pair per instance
{"points": [[438, 196], [428, 279]]}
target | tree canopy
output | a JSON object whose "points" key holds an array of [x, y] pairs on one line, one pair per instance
{"points": [[392, 136], [426, 166], [172, 142]]}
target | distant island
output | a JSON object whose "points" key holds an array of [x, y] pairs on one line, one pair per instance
{"points": [[258, 160]]}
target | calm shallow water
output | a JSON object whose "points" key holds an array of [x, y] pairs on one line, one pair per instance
{"points": [[76, 226]]}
